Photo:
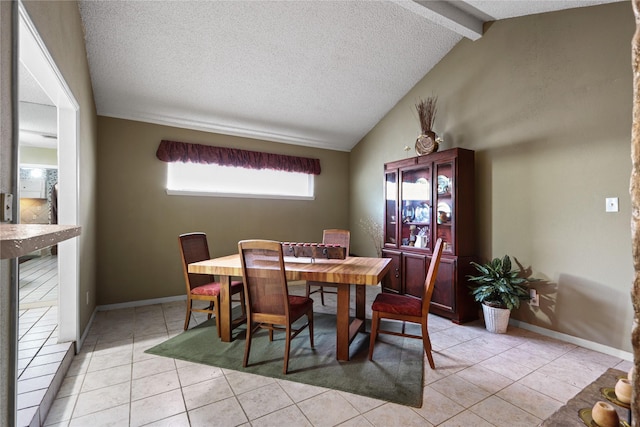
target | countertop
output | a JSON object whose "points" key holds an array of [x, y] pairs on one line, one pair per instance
{"points": [[21, 239]]}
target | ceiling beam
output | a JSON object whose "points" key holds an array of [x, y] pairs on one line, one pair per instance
{"points": [[457, 16]]}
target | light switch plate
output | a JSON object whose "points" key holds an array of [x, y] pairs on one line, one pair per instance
{"points": [[6, 201], [611, 204]]}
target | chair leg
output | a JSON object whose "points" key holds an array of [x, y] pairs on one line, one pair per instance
{"points": [[426, 342], [188, 318], [247, 344], [210, 308], [217, 311], [310, 321], [320, 289], [242, 306], [287, 347], [375, 323]]}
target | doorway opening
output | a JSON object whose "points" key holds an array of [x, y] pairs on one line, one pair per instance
{"points": [[39, 68]]}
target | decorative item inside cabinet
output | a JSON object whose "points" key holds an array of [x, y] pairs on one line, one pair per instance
{"points": [[445, 205], [415, 230]]}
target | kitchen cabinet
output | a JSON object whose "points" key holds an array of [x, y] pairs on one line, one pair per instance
{"points": [[32, 189]]}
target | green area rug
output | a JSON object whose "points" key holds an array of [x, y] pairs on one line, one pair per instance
{"points": [[395, 375]]}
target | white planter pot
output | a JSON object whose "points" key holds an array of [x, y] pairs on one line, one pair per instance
{"points": [[496, 320]]}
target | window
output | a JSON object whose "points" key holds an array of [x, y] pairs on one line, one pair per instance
{"points": [[198, 169], [228, 181]]}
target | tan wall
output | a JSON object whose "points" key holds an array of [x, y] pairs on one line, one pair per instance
{"points": [[139, 223], [60, 27], [545, 101], [38, 156]]}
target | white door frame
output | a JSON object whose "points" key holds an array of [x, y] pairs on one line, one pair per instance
{"points": [[35, 57]]}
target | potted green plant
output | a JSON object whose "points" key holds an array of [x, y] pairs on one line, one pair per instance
{"points": [[499, 289]]}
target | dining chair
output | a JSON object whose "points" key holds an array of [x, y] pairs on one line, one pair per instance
{"points": [[269, 305], [202, 287], [331, 236], [406, 308]]}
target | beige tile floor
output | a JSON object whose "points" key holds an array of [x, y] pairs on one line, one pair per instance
{"points": [[41, 361], [481, 379]]}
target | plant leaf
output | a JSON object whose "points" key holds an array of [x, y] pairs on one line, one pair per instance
{"points": [[506, 264]]}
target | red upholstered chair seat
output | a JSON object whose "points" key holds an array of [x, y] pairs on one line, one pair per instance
{"points": [[299, 305], [397, 304], [213, 288], [210, 289]]}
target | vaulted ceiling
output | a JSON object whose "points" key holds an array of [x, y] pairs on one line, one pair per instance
{"points": [[315, 73]]}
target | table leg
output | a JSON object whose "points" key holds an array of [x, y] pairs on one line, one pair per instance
{"points": [[342, 322], [346, 329], [225, 308], [361, 299]]}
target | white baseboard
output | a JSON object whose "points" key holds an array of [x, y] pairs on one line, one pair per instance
{"points": [[516, 323], [140, 303], [86, 331], [573, 340]]}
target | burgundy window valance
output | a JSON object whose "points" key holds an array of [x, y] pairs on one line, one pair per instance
{"points": [[173, 151]]}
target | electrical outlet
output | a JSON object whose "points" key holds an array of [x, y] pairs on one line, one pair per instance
{"points": [[534, 301], [611, 204]]}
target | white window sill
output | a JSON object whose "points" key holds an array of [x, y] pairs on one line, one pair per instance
{"points": [[236, 195]]}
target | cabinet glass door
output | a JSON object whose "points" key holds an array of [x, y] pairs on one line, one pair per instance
{"points": [[391, 207], [445, 205], [415, 207]]}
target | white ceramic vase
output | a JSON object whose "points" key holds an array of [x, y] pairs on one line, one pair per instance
{"points": [[496, 320]]}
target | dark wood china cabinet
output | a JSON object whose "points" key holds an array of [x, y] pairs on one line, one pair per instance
{"points": [[426, 198]]}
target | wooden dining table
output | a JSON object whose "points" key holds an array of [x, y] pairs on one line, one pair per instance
{"points": [[341, 273]]}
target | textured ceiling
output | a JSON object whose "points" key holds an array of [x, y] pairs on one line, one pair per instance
{"points": [[316, 73]]}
